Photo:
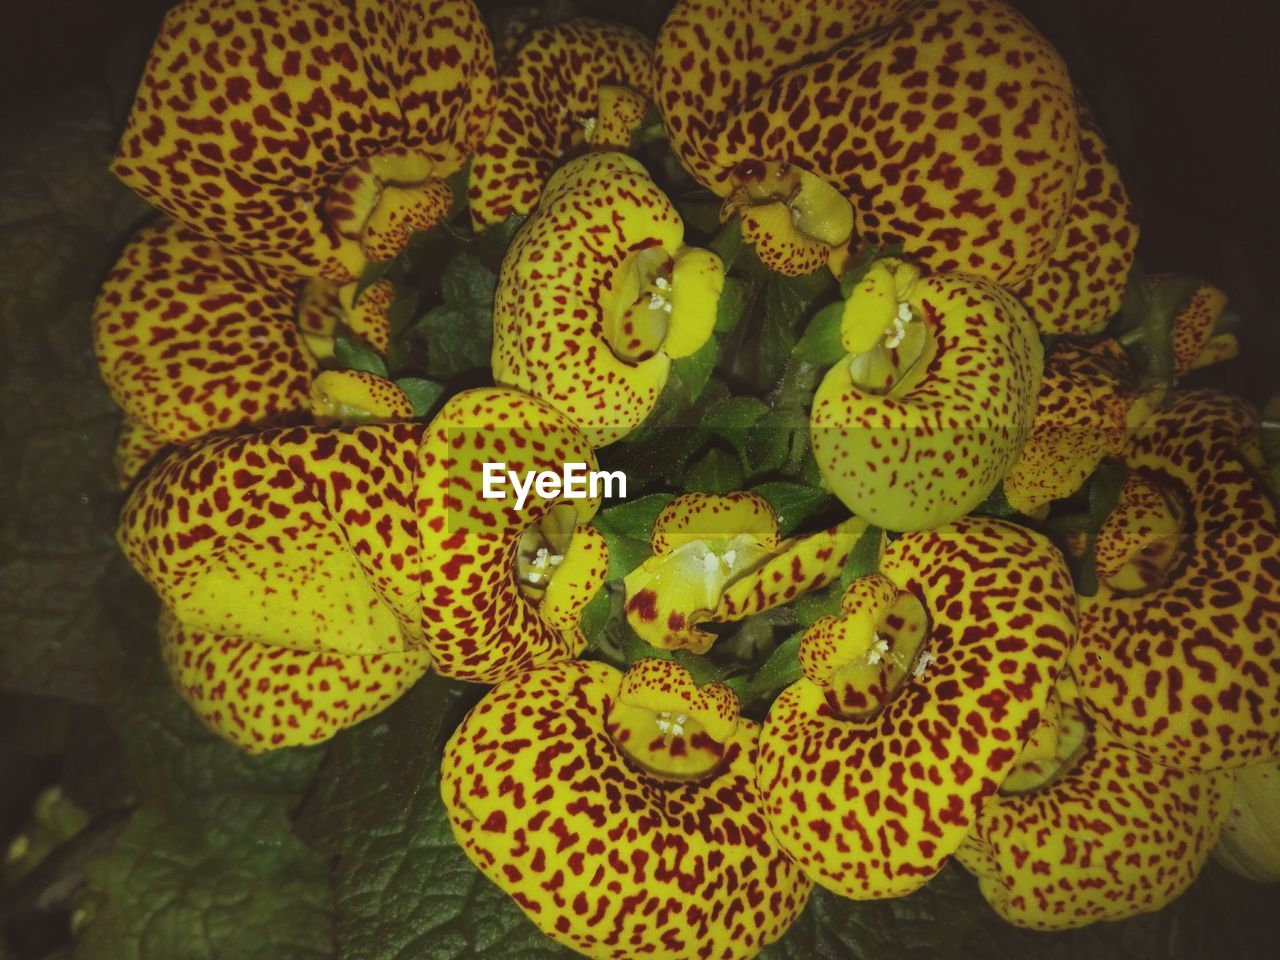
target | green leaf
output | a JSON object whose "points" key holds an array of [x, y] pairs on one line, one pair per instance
{"points": [[717, 472], [423, 394], [402, 887], [635, 518], [354, 354], [997, 505], [71, 609], [793, 503], [732, 304], [864, 558], [595, 615], [728, 243], [459, 332], [821, 344], [734, 413], [695, 370], [780, 671]]}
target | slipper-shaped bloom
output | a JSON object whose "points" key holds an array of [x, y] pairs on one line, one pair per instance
{"points": [[1196, 342], [953, 130], [192, 338], [1179, 651], [264, 697], [915, 704], [1078, 289], [313, 137], [504, 581], [573, 85], [598, 294], [930, 407], [1089, 405], [719, 559], [1250, 840], [1108, 835], [621, 812], [302, 537]]}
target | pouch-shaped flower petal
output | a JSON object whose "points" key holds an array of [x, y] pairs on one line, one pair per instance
{"points": [[192, 338], [952, 130], [1196, 342], [572, 85], [1088, 405], [718, 559], [505, 577], [598, 294], [137, 446], [264, 697], [1078, 289], [929, 410], [299, 537], [314, 136], [571, 788], [1179, 652], [915, 704], [1250, 840], [1115, 835]]}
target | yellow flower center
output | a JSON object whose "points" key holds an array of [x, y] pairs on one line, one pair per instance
{"points": [[542, 550], [658, 302], [888, 340]]}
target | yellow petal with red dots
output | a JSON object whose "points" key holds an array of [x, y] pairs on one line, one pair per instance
{"points": [[591, 291], [137, 447], [952, 130], [918, 431], [1087, 396], [1078, 289], [487, 562], [571, 84], [1184, 666], [546, 802], [262, 697], [299, 537], [1195, 344], [285, 153], [354, 396], [873, 802], [192, 338], [1115, 836]]}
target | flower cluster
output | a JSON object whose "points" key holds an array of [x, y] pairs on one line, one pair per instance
{"points": [[1061, 701]]}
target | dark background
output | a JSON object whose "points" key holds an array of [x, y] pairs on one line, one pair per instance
{"points": [[1186, 91]]}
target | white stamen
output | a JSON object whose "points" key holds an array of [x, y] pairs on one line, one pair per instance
{"points": [[658, 301], [922, 664], [879, 648], [588, 123], [671, 725], [730, 556], [894, 337]]}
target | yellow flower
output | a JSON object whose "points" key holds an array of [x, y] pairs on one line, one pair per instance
{"points": [[718, 559], [301, 537], [930, 408], [1088, 406], [952, 130], [1250, 841], [620, 812], [1078, 289], [1196, 343], [503, 585], [264, 697], [1108, 834], [314, 136], [915, 704], [598, 294], [1179, 652], [575, 84]]}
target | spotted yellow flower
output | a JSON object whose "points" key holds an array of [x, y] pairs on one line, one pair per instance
{"points": [[1089, 404], [916, 702], [953, 129], [1079, 287], [302, 537], [573, 85], [264, 697], [503, 584], [620, 812], [598, 294], [1179, 652], [1196, 342], [718, 559], [932, 404], [1105, 834], [314, 137]]}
